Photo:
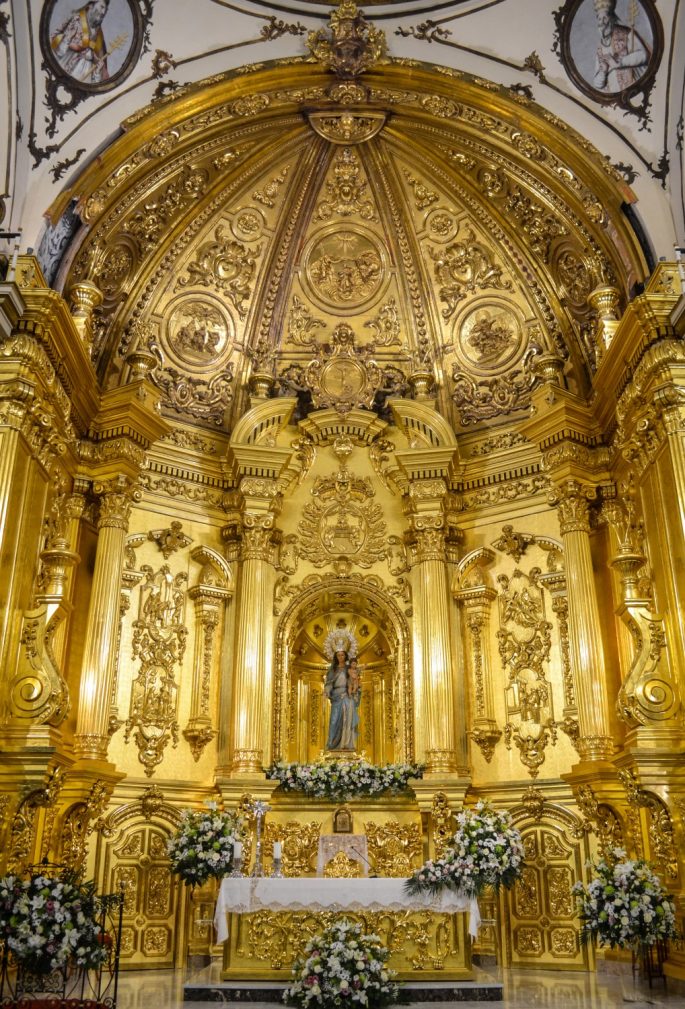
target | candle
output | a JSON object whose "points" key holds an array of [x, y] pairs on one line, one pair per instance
{"points": [[277, 851], [237, 850]]}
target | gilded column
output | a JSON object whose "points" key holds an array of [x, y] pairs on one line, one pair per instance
{"points": [[253, 652], [92, 737], [595, 742], [433, 670]]}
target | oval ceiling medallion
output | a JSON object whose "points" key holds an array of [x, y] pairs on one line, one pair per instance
{"points": [[345, 269], [491, 338], [198, 333]]}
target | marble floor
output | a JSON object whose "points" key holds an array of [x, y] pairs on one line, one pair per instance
{"points": [[522, 990]]}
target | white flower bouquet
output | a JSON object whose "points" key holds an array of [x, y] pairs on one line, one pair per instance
{"points": [[342, 967], [339, 780], [53, 923], [202, 846], [625, 904], [485, 851]]}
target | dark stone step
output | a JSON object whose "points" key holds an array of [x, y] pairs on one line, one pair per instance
{"points": [[272, 991]]}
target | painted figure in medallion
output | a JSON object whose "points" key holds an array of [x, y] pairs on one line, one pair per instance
{"points": [[343, 690], [622, 55], [79, 44]]}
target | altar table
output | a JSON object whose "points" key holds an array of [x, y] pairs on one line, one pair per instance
{"points": [[243, 894]]}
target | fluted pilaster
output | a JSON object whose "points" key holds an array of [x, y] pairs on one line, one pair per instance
{"points": [[92, 737], [434, 674], [572, 498], [253, 654]]}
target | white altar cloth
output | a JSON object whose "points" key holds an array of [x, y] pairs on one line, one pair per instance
{"points": [[308, 893]]}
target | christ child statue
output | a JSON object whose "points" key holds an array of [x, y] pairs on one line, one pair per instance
{"points": [[353, 684]]}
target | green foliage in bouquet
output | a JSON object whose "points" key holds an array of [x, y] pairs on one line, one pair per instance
{"points": [[338, 780], [624, 905], [50, 923], [485, 851], [202, 846], [342, 967]]}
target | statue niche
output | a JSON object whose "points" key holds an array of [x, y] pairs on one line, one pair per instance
{"points": [[341, 690]]}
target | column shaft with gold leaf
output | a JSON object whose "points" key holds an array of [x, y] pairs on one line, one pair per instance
{"points": [[567, 435], [251, 539], [433, 670], [128, 411], [253, 673]]}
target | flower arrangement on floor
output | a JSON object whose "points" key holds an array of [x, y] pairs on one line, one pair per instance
{"points": [[485, 851], [339, 780], [624, 904], [202, 846], [342, 966], [50, 923]]}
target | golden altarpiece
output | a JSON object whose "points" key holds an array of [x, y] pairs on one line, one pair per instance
{"points": [[344, 342]]}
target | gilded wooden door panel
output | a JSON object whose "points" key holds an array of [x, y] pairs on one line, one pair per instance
{"points": [[543, 928], [141, 862]]}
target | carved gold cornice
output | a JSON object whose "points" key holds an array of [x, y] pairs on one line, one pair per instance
{"points": [[646, 320], [47, 318]]}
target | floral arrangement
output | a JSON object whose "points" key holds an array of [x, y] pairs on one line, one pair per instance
{"points": [[339, 780], [51, 923], [625, 904], [341, 967], [202, 846], [485, 851]]}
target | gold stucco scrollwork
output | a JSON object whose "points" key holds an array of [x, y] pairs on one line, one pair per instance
{"points": [[346, 192], [351, 46], [346, 126], [302, 324], [159, 637], [226, 265], [342, 520], [82, 820], [661, 834], [170, 539], [524, 646], [465, 267], [538, 224], [341, 866], [394, 848], [22, 840], [300, 842], [442, 821]]}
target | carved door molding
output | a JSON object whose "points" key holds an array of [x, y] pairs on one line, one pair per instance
{"points": [[541, 927], [152, 933]]}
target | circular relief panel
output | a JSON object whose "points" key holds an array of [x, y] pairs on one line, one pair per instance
{"points": [[489, 339], [345, 268], [441, 225], [248, 224], [198, 333], [343, 379]]}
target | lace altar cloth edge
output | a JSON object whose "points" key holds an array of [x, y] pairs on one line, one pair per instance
{"points": [[240, 895]]}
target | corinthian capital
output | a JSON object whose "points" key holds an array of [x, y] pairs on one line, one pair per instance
{"points": [[573, 500], [257, 537], [116, 498], [428, 538]]}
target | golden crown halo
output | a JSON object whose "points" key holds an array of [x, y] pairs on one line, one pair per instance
{"points": [[340, 640]]}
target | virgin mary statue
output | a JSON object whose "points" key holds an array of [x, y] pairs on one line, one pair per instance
{"points": [[342, 690]]}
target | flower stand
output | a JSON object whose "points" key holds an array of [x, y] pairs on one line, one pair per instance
{"points": [[649, 961]]}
